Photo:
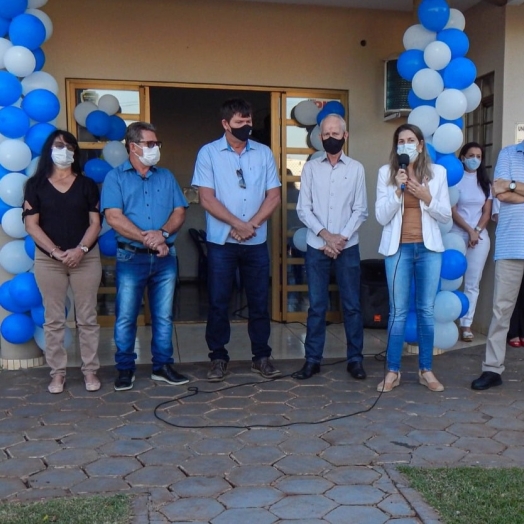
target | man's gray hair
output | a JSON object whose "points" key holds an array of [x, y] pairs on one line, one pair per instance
{"points": [[134, 132], [342, 121]]}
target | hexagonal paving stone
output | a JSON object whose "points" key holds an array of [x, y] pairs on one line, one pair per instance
{"points": [[9, 487], [192, 509], [257, 455], [356, 495], [439, 455], [472, 430], [302, 465], [253, 476], [200, 487], [21, 467], [263, 437], [432, 437], [164, 457], [304, 445], [509, 438], [10, 439], [112, 467], [91, 440], [302, 507], [400, 444], [62, 417], [72, 457], [356, 515], [303, 485], [155, 476], [207, 465], [33, 449], [57, 478], [125, 448], [241, 516], [353, 475], [349, 455], [100, 485], [250, 497], [343, 437], [396, 506], [479, 445], [137, 431], [210, 446]]}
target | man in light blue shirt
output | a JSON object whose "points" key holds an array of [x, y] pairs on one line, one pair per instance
{"points": [[239, 188], [508, 187]]}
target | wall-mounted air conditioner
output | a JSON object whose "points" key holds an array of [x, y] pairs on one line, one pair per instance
{"points": [[396, 91]]}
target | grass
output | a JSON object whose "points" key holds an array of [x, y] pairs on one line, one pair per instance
{"points": [[75, 510], [468, 495]]}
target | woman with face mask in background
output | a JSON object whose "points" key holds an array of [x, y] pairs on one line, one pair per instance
{"points": [[412, 198], [471, 214], [61, 213]]}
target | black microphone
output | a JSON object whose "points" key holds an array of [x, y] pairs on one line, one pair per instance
{"points": [[403, 162]]}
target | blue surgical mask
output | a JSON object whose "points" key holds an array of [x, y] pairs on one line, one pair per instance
{"points": [[472, 164], [408, 149]]}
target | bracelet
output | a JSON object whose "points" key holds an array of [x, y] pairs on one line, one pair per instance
{"points": [[53, 250]]}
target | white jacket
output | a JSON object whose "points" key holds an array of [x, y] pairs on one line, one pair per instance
{"points": [[388, 211]]}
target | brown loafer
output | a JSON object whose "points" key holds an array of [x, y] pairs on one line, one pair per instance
{"points": [[92, 382], [57, 384]]}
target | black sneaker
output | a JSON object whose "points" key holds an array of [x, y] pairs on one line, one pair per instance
{"points": [[125, 380], [168, 374]]}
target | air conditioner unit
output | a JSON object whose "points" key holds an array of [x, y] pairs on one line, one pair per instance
{"points": [[396, 91]]}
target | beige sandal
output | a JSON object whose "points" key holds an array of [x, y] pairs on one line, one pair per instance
{"points": [[428, 379], [387, 385], [57, 384]]}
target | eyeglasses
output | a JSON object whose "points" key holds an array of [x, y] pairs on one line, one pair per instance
{"points": [[151, 143], [61, 145], [241, 181]]}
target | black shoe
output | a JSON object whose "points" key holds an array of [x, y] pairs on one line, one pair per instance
{"points": [[218, 370], [125, 380], [356, 370], [264, 367], [488, 379], [308, 370], [168, 374]]}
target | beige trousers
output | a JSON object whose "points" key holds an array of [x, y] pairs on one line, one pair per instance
{"points": [[508, 276], [53, 279]]}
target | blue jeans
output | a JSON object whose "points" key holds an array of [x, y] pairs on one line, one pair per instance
{"points": [[347, 271], [253, 264], [135, 271], [412, 260]]}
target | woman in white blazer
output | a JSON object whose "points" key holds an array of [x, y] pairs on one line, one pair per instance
{"points": [[411, 200]]}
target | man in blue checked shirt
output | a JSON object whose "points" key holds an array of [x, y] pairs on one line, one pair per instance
{"points": [[239, 188]]}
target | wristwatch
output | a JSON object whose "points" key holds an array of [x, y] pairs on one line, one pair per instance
{"points": [[512, 186], [478, 229], [85, 249], [165, 234]]}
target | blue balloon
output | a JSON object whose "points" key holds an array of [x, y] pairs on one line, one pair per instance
{"points": [[107, 243], [24, 291], [97, 169], [14, 123], [433, 14], [3, 171], [321, 115], [464, 300], [456, 40], [40, 58], [6, 300], [117, 130], [3, 207], [37, 135], [410, 333], [10, 88], [98, 123], [38, 315], [18, 328], [29, 246], [414, 101], [409, 63], [27, 30], [41, 105], [454, 169], [4, 27], [459, 122], [335, 107], [11, 8], [432, 152], [459, 73], [454, 264]]}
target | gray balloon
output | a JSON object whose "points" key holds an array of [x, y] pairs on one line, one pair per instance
{"points": [[306, 113], [315, 140]]}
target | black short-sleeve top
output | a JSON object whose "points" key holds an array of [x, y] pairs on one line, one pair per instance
{"points": [[64, 217]]}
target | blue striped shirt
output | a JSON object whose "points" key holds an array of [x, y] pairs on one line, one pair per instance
{"points": [[509, 242]]}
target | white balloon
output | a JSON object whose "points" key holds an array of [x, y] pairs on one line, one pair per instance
{"points": [[456, 20], [447, 307], [447, 138], [13, 224], [19, 61], [115, 153], [306, 112], [446, 335], [109, 104], [437, 55], [454, 241], [15, 155], [33, 4], [39, 80], [473, 96], [4, 46], [31, 168], [315, 140], [12, 189], [451, 104], [445, 227], [299, 239], [450, 285], [14, 259], [418, 37], [427, 84], [2, 138], [82, 111], [426, 118], [453, 195], [39, 337], [44, 18]]}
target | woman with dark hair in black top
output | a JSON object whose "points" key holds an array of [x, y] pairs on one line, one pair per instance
{"points": [[61, 213]]}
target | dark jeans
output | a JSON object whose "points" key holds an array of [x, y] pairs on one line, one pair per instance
{"points": [[347, 271], [253, 264]]}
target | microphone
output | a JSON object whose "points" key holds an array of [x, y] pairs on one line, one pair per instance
{"points": [[403, 162]]}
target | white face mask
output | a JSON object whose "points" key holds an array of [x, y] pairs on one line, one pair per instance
{"points": [[62, 157], [472, 164], [150, 156], [408, 149]]}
